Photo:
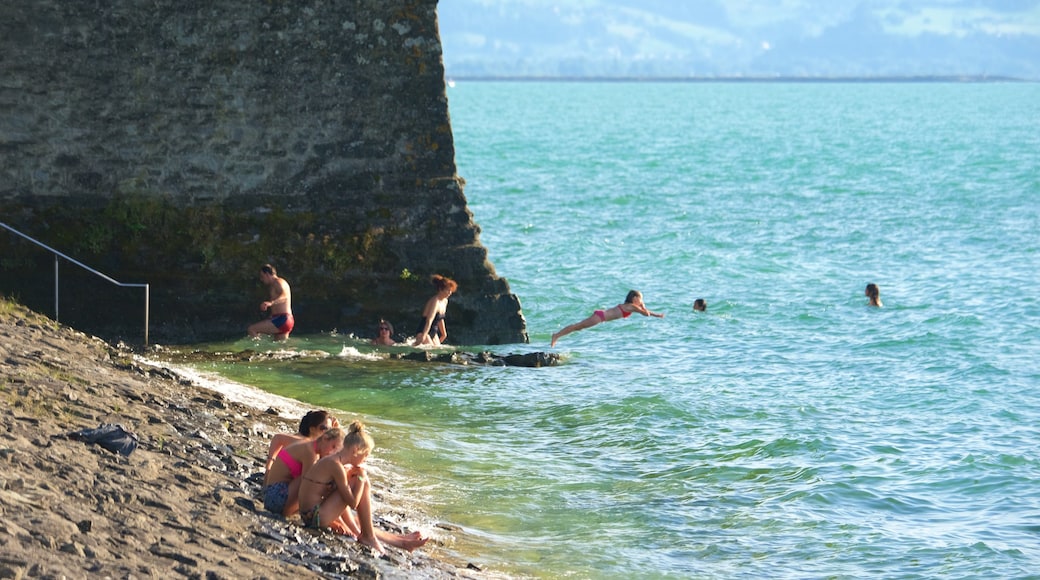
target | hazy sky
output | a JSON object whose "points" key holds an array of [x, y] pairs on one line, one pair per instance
{"points": [[997, 37]]}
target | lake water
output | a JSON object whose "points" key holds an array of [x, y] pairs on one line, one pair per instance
{"points": [[788, 432]]}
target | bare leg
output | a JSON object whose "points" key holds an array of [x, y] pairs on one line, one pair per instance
{"points": [[351, 526], [590, 321], [364, 512], [346, 525], [331, 511], [262, 327]]}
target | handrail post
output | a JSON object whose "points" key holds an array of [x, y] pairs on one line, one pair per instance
{"points": [[56, 319], [146, 299]]}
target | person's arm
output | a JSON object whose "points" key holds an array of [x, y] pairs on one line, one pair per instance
{"points": [[442, 330], [642, 309], [279, 296], [277, 442], [340, 477]]}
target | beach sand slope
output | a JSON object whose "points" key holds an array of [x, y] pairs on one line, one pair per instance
{"points": [[185, 503]]}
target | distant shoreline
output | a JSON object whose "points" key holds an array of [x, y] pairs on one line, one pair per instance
{"points": [[746, 79]]}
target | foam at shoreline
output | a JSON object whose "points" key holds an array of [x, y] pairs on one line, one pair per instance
{"points": [[234, 391]]}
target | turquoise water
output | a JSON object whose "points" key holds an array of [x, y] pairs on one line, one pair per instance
{"points": [[790, 431]]}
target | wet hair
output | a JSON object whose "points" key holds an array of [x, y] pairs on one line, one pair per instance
{"points": [[312, 420], [631, 296], [268, 269], [383, 321], [700, 304], [358, 437], [443, 283], [873, 291]]}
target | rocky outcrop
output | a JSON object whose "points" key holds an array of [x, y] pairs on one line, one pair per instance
{"points": [[185, 143]]}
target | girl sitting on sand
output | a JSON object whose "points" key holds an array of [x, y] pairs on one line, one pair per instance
{"points": [[633, 303], [311, 427], [281, 494], [337, 485]]}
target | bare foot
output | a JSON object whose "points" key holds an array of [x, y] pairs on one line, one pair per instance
{"points": [[404, 541], [411, 542], [373, 543], [341, 528]]}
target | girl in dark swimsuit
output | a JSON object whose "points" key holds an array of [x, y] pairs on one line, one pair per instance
{"points": [[633, 303]]}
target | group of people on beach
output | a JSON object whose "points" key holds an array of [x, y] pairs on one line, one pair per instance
{"points": [[318, 472], [432, 329]]}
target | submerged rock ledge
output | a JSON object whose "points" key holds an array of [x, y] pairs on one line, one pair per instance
{"points": [[185, 502], [486, 358]]}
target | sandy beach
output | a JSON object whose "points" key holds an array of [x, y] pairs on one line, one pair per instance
{"points": [[184, 503]]}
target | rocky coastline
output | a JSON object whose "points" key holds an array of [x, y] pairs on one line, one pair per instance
{"points": [[184, 503]]}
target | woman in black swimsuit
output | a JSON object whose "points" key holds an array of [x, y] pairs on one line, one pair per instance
{"points": [[432, 330]]}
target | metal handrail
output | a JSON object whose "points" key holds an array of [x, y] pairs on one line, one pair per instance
{"points": [[58, 254]]}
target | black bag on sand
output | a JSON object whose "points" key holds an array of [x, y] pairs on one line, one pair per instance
{"points": [[111, 436]]}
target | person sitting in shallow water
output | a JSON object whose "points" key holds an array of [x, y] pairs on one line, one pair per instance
{"points": [[281, 491], [633, 303], [873, 294], [337, 485], [384, 334]]}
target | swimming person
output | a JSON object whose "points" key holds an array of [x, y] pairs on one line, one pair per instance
{"points": [[873, 294], [700, 305], [432, 330], [633, 303], [282, 480], [384, 334], [312, 425], [281, 321], [337, 485]]}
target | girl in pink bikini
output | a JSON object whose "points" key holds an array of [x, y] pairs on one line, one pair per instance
{"points": [[282, 487], [313, 424], [633, 303]]}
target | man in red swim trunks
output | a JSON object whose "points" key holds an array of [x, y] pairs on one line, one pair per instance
{"points": [[281, 323]]}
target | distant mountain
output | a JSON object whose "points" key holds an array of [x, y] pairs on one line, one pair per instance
{"points": [[740, 38]]}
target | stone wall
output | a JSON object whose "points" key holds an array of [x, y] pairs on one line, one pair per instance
{"points": [[184, 143]]}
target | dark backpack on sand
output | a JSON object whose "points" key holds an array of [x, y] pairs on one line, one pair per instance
{"points": [[111, 436]]}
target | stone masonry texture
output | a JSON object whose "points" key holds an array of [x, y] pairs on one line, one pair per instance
{"points": [[185, 143]]}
